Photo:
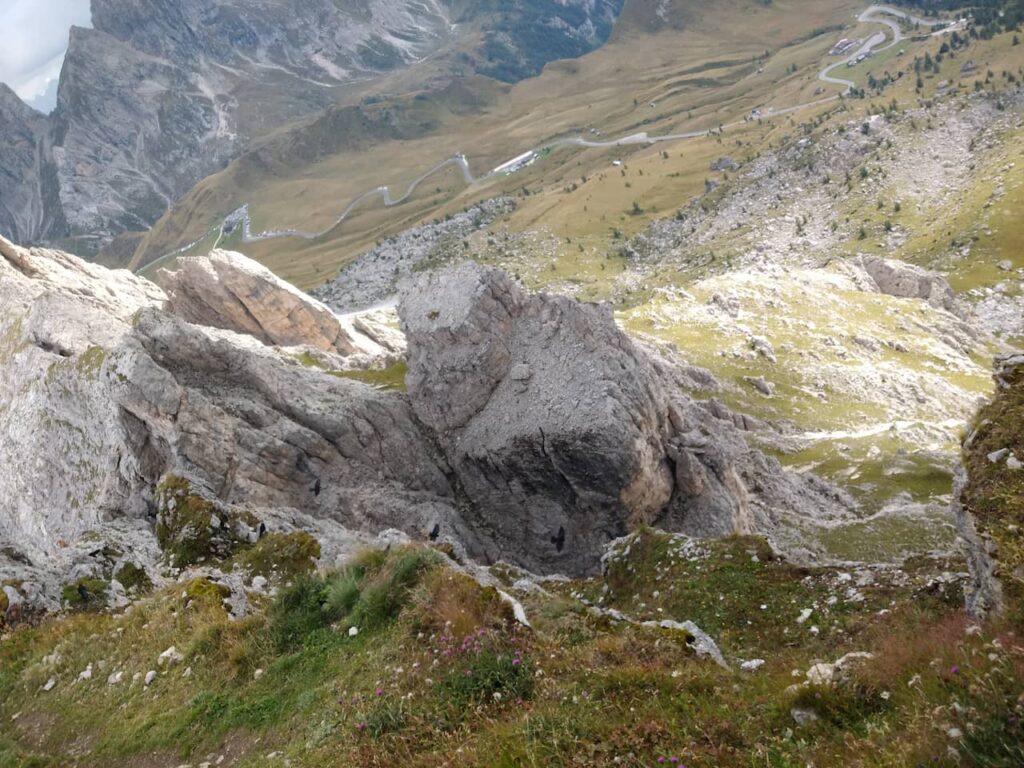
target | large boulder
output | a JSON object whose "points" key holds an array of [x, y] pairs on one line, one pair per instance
{"points": [[564, 434], [897, 278], [227, 290], [535, 431]]}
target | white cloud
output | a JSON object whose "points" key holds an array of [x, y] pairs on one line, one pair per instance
{"points": [[35, 40]]}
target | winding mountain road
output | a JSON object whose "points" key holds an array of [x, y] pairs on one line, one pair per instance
{"points": [[878, 14], [875, 15]]}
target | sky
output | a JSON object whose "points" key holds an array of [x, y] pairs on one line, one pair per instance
{"points": [[35, 39]]}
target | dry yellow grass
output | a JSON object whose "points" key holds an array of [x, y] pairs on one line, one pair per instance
{"points": [[697, 77]]}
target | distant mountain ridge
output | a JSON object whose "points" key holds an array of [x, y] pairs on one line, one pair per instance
{"points": [[160, 94]]}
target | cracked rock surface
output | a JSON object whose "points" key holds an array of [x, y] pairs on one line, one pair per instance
{"points": [[565, 435]]}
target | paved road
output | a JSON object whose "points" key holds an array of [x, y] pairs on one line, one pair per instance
{"points": [[879, 14]]}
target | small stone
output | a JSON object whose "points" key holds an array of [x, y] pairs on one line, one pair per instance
{"points": [[353, 631], [955, 733], [50, 684], [114, 678], [821, 674], [257, 674], [169, 657], [752, 665], [259, 583], [521, 372], [761, 384], [1014, 463], [86, 674], [996, 456], [803, 717], [150, 677], [805, 614], [1005, 265]]}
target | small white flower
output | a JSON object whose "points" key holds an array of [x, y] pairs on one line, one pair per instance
{"points": [[353, 631], [885, 695]]}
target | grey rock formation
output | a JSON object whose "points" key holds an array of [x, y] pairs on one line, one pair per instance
{"points": [[725, 163], [1007, 366], [535, 430], [983, 592], [227, 290], [564, 434], [22, 129], [104, 396], [897, 278]]}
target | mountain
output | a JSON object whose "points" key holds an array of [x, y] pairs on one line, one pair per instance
{"points": [[159, 94], [22, 131], [665, 408]]}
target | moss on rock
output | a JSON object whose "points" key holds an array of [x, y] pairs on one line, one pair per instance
{"points": [[286, 555], [134, 579], [203, 589], [191, 529], [90, 362]]}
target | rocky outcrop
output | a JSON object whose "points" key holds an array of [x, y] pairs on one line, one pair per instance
{"points": [[983, 593], [227, 290], [132, 430], [104, 396], [988, 498], [377, 275], [564, 435], [897, 278]]}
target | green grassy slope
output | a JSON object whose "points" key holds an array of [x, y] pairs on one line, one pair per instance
{"points": [[440, 674]]}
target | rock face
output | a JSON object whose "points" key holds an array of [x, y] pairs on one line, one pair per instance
{"points": [[104, 395], [227, 290], [988, 503], [22, 130], [564, 434]]}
